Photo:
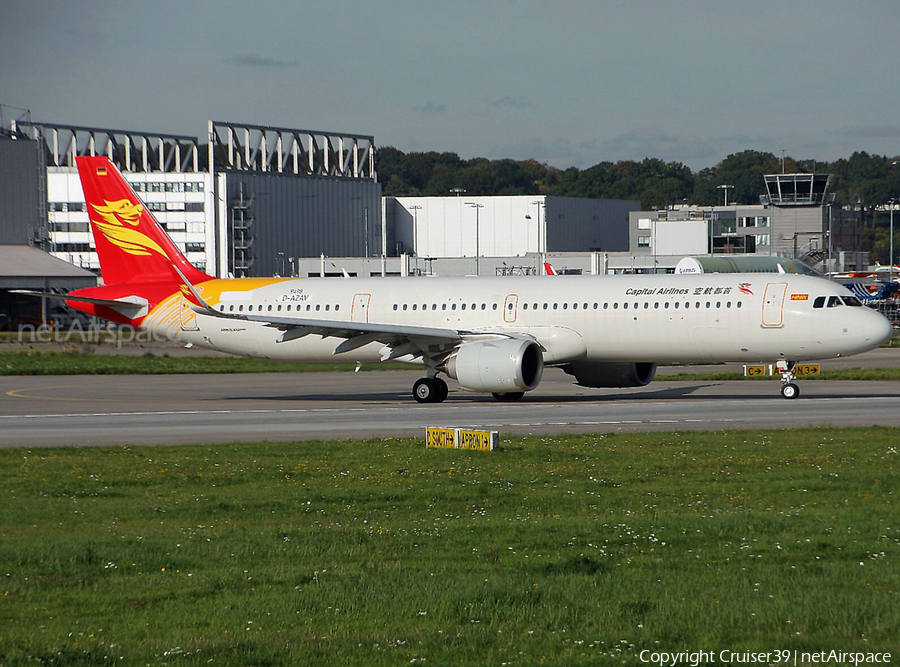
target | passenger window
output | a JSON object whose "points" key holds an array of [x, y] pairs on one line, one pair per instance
{"points": [[463, 306], [646, 305], [616, 305], [405, 306], [231, 308], [241, 308], [740, 303], [415, 305], [677, 304], [585, 306], [327, 307], [666, 305], [453, 307], [289, 306], [317, 307], [555, 306], [337, 307], [565, 306], [687, 304], [443, 306], [625, 305]]}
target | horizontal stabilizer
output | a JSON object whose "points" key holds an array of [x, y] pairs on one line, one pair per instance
{"points": [[129, 306]]}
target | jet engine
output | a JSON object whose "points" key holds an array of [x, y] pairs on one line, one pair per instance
{"points": [[509, 365], [611, 374]]}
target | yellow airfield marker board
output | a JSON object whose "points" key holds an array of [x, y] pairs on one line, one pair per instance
{"points": [[758, 370], [462, 438]]}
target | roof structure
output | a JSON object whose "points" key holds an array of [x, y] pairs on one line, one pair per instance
{"points": [[24, 267]]}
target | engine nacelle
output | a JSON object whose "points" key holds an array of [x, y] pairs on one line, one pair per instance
{"points": [[611, 374], [503, 366]]}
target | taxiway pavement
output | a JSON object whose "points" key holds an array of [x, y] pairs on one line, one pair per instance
{"points": [[177, 409]]}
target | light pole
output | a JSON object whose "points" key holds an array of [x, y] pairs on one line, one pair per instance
{"points": [[540, 233], [830, 268], [725, 188], [415, 233], [366, 219], [893, 203], [477, 234]]}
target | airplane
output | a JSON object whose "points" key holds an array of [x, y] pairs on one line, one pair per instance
{"points": [[490, 334]]}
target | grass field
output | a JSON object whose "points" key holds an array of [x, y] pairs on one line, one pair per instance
{"points": [[75, 362], [575, 550]]}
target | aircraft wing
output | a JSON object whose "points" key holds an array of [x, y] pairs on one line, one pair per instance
{"points": [[399, 339]]}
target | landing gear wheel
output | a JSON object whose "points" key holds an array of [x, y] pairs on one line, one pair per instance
{"points": [[790, 390], [508, 396], [430, 390], [443, 390]]}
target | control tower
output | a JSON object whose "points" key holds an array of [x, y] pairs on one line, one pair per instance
{"points": [[799, 223]]}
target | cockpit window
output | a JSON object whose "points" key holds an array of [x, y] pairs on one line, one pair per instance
{"points": [[834, 301], [819, 302], [853, 301]]}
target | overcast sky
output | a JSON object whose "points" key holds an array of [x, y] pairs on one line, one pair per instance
{"points": [[564, 82]]}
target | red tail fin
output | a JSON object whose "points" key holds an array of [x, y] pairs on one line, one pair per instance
{"points": [[132, 245]]}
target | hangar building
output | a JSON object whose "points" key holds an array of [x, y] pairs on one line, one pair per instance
{"points": [[247, 203]]}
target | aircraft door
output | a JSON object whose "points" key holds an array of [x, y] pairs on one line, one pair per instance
{"points": [[187, 316], [773, 305], [360, 310], [510, 307]]}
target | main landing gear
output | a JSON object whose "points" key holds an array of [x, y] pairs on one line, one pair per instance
{"points": [[789, 390], [430, 390]]}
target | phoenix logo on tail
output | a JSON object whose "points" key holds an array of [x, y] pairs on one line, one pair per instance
{"points": [[116, 215]]}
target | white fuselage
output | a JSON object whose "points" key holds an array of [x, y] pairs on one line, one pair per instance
{"points": [[665, 318]]}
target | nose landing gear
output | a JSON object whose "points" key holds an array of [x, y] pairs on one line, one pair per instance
{"points": [[789, 390]]}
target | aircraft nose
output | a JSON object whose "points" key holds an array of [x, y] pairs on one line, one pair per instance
{"points": [[880, 330]]}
